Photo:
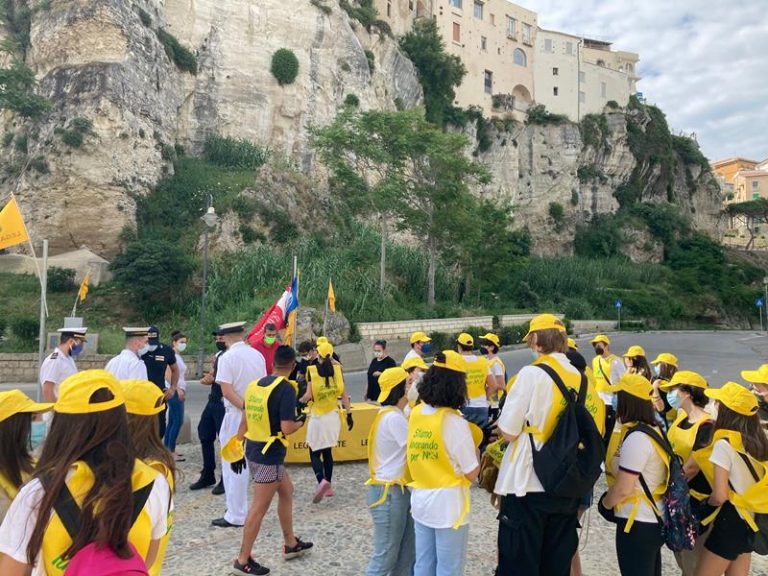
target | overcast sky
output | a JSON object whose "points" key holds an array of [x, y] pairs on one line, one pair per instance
{"points": [[703, 62]]}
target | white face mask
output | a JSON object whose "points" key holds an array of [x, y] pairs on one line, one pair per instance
{"points": [[713, 410], [413, 391], [181, 346], [152, 347], [143, 350], [377, 354]]}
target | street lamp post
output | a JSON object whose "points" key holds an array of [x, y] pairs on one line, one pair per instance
{"points": [[209, 218], [765, 287]]}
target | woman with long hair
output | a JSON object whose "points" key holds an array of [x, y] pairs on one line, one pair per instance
{"points": [[735, 464], [325, 385], [636, 362], [16, 461], [176, 402], [88, 470], [143, 402], [665, 365]]}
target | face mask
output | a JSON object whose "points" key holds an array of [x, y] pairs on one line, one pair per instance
{"points": [[656, 369], [152, 347], [484, 351], [426, 348], [143, 350], [38, 433], [76, 350], [221, 346], [599, 350], [377, 354], [534, 354], [615, 402], [269, 340], [306, 358], [181, 346], [673, 398]]}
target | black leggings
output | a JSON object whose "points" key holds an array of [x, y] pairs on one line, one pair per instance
{"points": [[322, 463], [639, 552]]}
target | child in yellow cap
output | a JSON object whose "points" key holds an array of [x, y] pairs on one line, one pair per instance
{"points": [[16, 461]]}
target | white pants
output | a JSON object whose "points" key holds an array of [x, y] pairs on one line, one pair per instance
{"points": [[235, 485]]}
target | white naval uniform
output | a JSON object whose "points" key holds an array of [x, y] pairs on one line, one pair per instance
{"points": [[127, 366], [240, 366], [57, 368]]}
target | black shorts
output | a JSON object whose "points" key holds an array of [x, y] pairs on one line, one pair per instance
{"points": [[730, 535]]}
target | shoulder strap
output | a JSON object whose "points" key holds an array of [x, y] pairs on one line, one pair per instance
{"points": [[748, 462], [140, 498], [567, 394], [606, 375], [660, 439]]}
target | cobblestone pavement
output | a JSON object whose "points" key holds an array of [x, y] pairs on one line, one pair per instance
{"points": [[340, 528]]}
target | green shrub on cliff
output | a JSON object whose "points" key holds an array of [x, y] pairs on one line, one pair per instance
{"points": [[285, 66], [184, 59]]}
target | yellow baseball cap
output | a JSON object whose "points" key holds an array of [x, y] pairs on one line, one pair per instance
{"points": [[735, 397], [685, 378], [141, 397], [75, 393], [414, 362], [634, 352], [572, 344], [544, 322], [322, 340], [666, 358], [453, 361], [492, 338], [14, 402], [389, 379], [465, 339], [636, 384], [233, 450], [601, 338], [324, 349], [759, 376], [420, 337]]}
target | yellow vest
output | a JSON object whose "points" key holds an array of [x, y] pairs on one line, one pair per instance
{"points": [[428, 461], [496, 361], [682, 439], [372, 480], [602, 370], [614, 447], [257, 414], [56, 539], [8, 487], [325, 398], [163, 469], [477, 373]]}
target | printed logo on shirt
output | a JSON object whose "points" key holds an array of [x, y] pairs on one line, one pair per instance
{"points": [[423, 446]]}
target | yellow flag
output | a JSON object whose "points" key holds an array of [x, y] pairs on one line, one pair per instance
{"points": [[83, 292], [290, 329], [12, 228], [331, 297]]}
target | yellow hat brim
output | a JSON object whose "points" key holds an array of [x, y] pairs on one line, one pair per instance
{"points": [[754, 376]]}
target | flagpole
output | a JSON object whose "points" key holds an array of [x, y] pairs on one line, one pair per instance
{"points": [[34, 257], [325, 315], [295, 275], [43, 313]]}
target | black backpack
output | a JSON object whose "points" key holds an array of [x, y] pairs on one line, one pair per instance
{"points": [[759, 539], [569, 463]]}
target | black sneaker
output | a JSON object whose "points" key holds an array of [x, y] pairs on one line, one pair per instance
{"points": [[249, 568], [291, 552]]}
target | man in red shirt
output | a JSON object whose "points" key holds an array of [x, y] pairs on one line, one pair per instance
{"points": [[268, 345]]}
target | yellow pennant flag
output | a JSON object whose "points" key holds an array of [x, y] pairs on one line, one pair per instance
{"points": [[83, 292], [290, 329], [331, 297], [12, 228]]}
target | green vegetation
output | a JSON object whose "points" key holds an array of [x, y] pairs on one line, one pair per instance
{"points": [[25, 328], [371, 58], [285, 66], [60, 279], [40, 165], [17, 91], [352, 100], [72, 138], [361, 10], [591, 172], [234, 153], [17, 17], [689, 151], [182, 57], [556, 213], [324, 8], [21, 143], [144, 16], [539, 114], [594, 131]]}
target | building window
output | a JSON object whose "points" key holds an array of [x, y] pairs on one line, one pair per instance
{"points": [[603, 90], [548, 45], [569, 48], [456, 32], [488, 81], [483, 43], [511, 27], [527, 31], [582, 75], [478, 10], [754, 184], [582, 97], [520, 58], [555, 91], [555, 71], [493, 19], [455, 3]]}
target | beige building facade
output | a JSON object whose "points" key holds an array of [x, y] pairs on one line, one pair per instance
{"points": [[750, 185]]}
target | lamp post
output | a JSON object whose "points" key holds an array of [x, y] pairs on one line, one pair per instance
{"points": [[209, 218], [765, 287]]}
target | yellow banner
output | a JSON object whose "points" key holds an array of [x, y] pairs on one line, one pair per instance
{"points": [[83, 292], [290, 329], [12, 228], [331, 297]]}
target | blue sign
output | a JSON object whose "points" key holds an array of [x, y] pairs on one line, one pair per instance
{"points": [[759, 302], [619, 304]]}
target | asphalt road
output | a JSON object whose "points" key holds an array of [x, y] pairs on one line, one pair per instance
{"points": [[718, 356]]}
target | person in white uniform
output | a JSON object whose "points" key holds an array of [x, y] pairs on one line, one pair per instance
{"points": [[420, 345], [240, 366], [128, 365], [60, 364]]}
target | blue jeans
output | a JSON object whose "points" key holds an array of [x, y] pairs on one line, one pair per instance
{"points": [[477, 416], [175, 420], [394, 549], [440, 551]]}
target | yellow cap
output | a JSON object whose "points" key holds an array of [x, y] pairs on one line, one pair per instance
{"points": [[322, 340], [666, 358], [759, 376], [389, 379], [601, 338], [477, 434], [414, 362], [544, 322], [75, 393], [635, 384], [141, 397], [15, 402], [453, 361], [492, 338], [324, 349], [572, 344], [735, 397], [420, 337], [465, 339], [685, 378], [233, 450], [634, 352]]}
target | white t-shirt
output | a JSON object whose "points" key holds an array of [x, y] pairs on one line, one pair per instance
{"points": [[57, 368], [726, 457], [20, 521], [495, 368], [638, 454], [411, 354], [182, 384], [617, 370], [389, 446], [530, 399], [240, 366], [442, 507], [127, 366]]}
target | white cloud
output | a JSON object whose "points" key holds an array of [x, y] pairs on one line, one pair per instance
{"points": [[703, 62]]}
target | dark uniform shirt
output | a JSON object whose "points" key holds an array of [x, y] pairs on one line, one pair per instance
{"points": [[280, 406], [156, 362], [216, 394]]}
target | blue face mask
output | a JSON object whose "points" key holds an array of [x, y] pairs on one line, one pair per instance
{"points": [[615, 402], [38, 433], [426, 348], [673, 398], [76, 350]]}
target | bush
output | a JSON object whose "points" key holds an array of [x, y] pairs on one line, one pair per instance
{"points": [[538, 114], [603, 237], [371, 57], [612, 104], [17, 91], [689, 151], [40, 164], [61, 279], [26, 328], [183, 58], [512, 335], [594, 131], [168, 153], [557, 213], [21, 143], [7, 139], [285, 66], [72, 138], [322, 7], [234, 153], [591, 172], [574, 198], [82, 125], [383, 27], [352, 100], [364, 12]]}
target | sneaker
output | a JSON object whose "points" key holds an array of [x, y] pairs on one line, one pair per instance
{"points": [[249, 568], [330, 492], [322, 490], [291, 552]]}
